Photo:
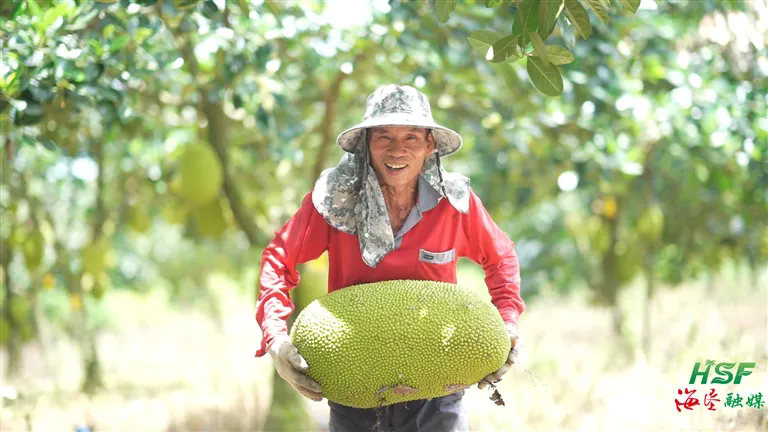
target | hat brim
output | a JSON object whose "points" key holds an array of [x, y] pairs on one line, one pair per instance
{"points": [[446, 140]]}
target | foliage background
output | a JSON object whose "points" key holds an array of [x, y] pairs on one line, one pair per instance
{"points": [[638, 199]]}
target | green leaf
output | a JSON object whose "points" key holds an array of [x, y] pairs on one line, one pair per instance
{"points": [[443, 9], [558, 55], [17, 9], [540, 48], [243, 7], [32, 113], [548, 11], [504, 48], [39, 93], [118, 43], [578, 17], [186, 3], [49, 145], [237, 101], [93, 71], [632, 5], [493, 3], [67, 70], [525, 20], [483, 39], [210, 9], [104, 4], [601, 12], [81, 20], [34, 8], [566, 31], [546, 79], [51, 15]]}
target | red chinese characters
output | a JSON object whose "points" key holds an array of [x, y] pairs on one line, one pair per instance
{"points": [[689, 402], [708, 402]]}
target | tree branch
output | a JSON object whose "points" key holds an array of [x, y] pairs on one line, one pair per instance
{"points": [[331, 99], [100, 215], [216, 138], [217, 133]]}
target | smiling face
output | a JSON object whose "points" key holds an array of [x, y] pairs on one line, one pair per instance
{"points": [[398, 153]]}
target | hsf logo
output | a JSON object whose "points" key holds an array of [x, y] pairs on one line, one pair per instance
{"points": [[723, 374]]}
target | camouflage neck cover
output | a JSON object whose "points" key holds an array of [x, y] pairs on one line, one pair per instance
{"points": [[350, 199]]}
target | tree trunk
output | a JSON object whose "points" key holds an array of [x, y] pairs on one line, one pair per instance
{"points": [[93, 379], [92, 372], [610, 279], [649, 292], [13, 344], [650, 252], [711, 275]]}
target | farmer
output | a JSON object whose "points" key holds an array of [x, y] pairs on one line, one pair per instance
{"points": [[388, 211]]}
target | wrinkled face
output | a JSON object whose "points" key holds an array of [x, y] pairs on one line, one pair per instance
{"points": [[398, 153]]}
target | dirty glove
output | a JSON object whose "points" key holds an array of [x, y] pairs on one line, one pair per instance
{"points": [[511, 359], [292, 367]]}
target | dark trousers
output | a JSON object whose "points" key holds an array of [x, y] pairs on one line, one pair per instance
{"points": [[443, 414]]}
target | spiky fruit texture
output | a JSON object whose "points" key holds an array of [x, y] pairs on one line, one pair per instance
{"points": [[367, 345]]}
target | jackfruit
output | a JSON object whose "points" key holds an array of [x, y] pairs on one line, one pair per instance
{"points": [[49, 281], [34, 248], [610, 206], [200, 174], [138, 219], [95, 285], [175, 211], [100, 286], [209, 219], [75, 301], [599, 236], [97, 256], [5, 331], [651, 224], [765, 242], [377, 344]]}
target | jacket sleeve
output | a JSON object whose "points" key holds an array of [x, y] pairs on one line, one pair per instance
{"points": [[303, 238], [487, 245]]}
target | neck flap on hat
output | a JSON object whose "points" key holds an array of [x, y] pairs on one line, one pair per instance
{"points": [[350, 199]]}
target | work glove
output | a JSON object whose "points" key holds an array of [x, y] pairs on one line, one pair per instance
{"points": [[292, 367], [511, 359]]}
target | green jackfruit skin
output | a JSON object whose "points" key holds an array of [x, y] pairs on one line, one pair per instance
{"points": [[362, 341]]}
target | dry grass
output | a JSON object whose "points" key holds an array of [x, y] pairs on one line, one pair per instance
{"points": [[172, 370]]}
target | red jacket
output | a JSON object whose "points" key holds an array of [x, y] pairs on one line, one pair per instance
{"points": [[307, 235]]}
